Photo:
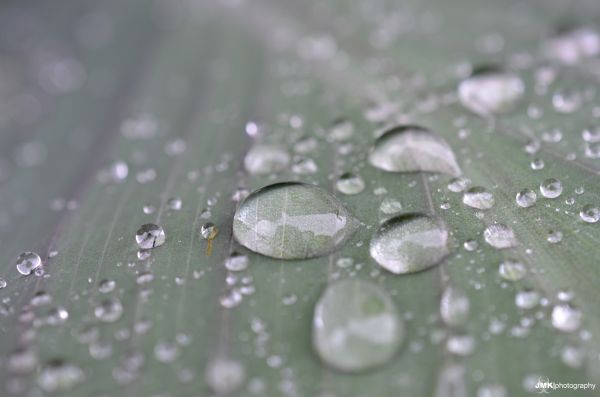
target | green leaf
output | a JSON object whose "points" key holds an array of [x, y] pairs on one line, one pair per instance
{"points": [[181, 91]]}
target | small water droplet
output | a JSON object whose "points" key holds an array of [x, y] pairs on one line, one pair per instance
{"points": [[566, 101], [458, 185], [492, 390], [225, 376], [526, 198], [454, 306], [341, 130], [292, 221], [409, 148], [499, 236], [107, 285], [461, 345], [3, 283], [527, 299], [491, 92], [350, 184], [150, 236], [109, 310], [551, 188], [478, 197], [266, 159], [572, 46], [356, 326], [410, 243], [590, 214], [566, 318], [59, 375], [537, 164], [236, 262], [512, 270], [471, 245], [28, 262], [174, 203], [554, 236]]}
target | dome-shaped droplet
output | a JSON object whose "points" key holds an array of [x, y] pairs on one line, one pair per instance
{"points": [[410, 243], [59, 376], [292, 221], [551, 188], [356, 326], [491, 92], [350, 183], [512, 270], [478, 197], [590, 214], [526, 198], [28, 262], [566, 318], [150, 236], [454, 306], [499, 236], [413, 149], [266, 159], [109, 310]]}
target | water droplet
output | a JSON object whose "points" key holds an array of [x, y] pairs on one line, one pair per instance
{"points": [[236, 262], [341, 130], [526, 198], [410, 243], [566, 318], [478, 197], [537, 164], [225, 376], [266, 159], [454, 306], [471, 245], [28, 262], [566, 101], [551, 188], [590, 214], [149, 209], [572, 46], [209, 231], [491, 92], [109, 310], [174, 203], [59, 375], [412, 149], [119, 171], [390, 206], [492, 390], [22, 361], [166, 352], [350, 184], [2, 283], [499, 236], [356, 326], [573, 356], [554, 236], [461, 345], [458, 185], [527, 299], [292, 221], [512, 270], [304, 166], [107, 285], [150, 236]]}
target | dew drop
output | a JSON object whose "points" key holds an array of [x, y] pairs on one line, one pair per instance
{"points": [[551, 188], [458, 185], [174, 203], [266, 159], [512, 270], [341, 130], [236, 262], [292, 221], [526, 198], [590, 214], [499, 236], [59, 375], [109, 310], [409, 148], [454, 306], [225, 376], [28, 262], [410, 243], [3, 283], [554, 236], [491, 92], [527, 299], [150, 236], [478, 197], [350, 184], [566, 318], [356, 326], [390, 206], [492, 390], [572, 46]]}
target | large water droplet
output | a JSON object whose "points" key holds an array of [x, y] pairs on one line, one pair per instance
{"points": [[292, 221], [491, 92], [225, 376], [266, 159], [28, 262], [356, 326], [150, 236], [499, 236], [526, 198], [59, 375], [478, 197], [410, 243], [410, 148], [590, 214]]}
